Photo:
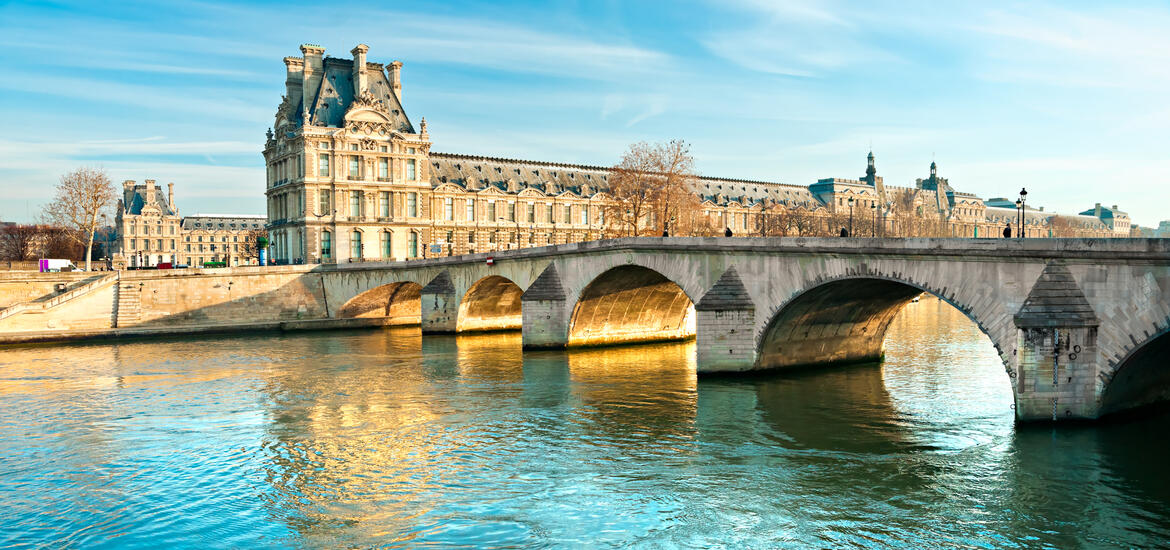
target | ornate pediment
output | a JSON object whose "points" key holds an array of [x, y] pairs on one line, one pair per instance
{"points": [[366, 100]]}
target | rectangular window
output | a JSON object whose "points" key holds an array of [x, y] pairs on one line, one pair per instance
{"points": [[158, 244], [133, 229], [449, 209], [568, 213], [323, 202], [491, 214], [470, 214], [585, 214], [413, 244], [410, 170], [355, 167], [531, 212], [353, 147], [511, 211], [471, 237], [412, 205], [326, 245], [384, 204], [188, 248], [385, 244], [323, 165], [383, 168], [355, 203], [355, 242], [549, 214]]}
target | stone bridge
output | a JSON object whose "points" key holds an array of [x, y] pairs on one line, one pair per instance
{"points": [[1081, 325]]}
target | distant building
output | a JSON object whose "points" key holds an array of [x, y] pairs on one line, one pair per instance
{"points": [[351, 178], [1116, 220], [148, 231]]}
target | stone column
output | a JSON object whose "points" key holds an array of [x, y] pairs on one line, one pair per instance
{"points": [[440, 305], [1056, 351], [725, 327], [545, 312]]}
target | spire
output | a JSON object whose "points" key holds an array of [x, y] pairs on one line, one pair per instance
{"points": [[933, 170], [870, 171]]}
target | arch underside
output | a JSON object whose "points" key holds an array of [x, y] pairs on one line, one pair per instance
{"points": [[492, 303], [1142, 379], [398, 302], [630, 304], [838, 322]]}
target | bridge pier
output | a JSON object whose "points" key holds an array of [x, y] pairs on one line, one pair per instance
{"points": [[545, 312], [439, 305], [1056, 351], [725, 321]]}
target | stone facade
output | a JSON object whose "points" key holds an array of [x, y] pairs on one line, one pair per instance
{"points": [[226, 238], [351, 178], [149, 231]]}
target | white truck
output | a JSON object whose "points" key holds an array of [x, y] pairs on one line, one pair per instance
{"points": [[54, 266]]}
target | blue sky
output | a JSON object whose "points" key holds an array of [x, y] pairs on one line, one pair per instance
{"points": [[1069, 99]]}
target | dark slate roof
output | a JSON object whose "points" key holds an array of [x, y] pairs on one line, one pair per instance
{"points": [[225, 222], [134, 199], [1056, 301], [475, 173], [441, 284], [728, 294], [546, 287], [329, 102]]}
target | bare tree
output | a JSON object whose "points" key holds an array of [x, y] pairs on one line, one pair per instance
{"points": [[81, 197], [650, 187], [250, 247], [19, 242]]}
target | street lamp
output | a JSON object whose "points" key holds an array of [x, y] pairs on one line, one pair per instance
{"points": [[873, 207], [850, 216], [1021, 203]]}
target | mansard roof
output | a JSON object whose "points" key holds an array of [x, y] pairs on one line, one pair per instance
{"points": [[135, 198], [330, 98], [475, 173], [223, 222]]}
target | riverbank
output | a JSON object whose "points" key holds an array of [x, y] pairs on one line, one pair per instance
{"points": [[56, 336]]}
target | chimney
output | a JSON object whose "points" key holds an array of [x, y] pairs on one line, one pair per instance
{"points": [[361, 80], [171, 196], [1115, 208], [128, 185], [394, 72], [294, 81], [313, 71]]}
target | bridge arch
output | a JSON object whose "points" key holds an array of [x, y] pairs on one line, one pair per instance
{"points": [[399, 302], [492, 303], [628, 304], [842, 320], [1141, 378]]}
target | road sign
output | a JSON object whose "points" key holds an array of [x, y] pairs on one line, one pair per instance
{"points": [[436, 249]]}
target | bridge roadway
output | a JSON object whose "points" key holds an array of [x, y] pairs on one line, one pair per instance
{"points": [[1082, 325]]}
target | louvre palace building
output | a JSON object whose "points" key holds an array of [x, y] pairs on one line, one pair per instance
{"points": [[350, 177]]}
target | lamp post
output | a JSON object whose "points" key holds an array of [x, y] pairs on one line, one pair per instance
{"points": [[850, 216], [873, 207], [1022, 203]]}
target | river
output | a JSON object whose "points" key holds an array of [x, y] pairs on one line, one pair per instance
{"points": [[387, 438]]}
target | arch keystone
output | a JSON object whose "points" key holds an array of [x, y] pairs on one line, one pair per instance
{"points": [[725, 319]]}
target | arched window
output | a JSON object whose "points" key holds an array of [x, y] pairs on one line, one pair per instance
{"points": [[413, 244], [385, 244], [326, 245], [355, 245]]}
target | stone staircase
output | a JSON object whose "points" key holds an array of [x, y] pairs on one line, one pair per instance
{"points": [[129, 306], [44, 303]]}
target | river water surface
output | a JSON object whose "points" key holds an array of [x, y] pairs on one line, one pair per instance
{"points": [[386, 438]]}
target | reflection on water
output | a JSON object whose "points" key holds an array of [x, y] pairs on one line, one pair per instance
{"points": [[388, 438]]}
